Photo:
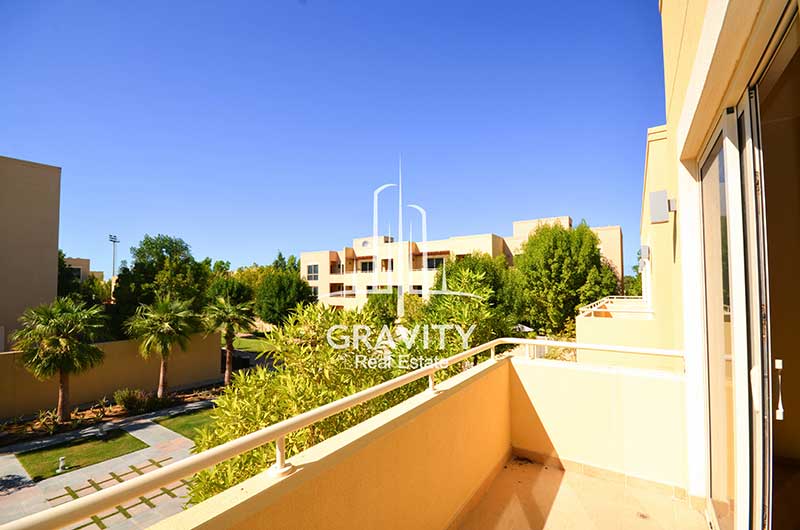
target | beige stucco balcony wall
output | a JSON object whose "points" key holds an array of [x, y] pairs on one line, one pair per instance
{"points": [[424, 463]]}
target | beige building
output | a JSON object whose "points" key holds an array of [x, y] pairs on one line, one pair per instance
{"points": [[82, 270], [683, 407], [29, 206], [345, 278]]}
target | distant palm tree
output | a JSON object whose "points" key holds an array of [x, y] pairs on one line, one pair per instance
{"points": [[57, 339], [159, 327], [226, 316]]}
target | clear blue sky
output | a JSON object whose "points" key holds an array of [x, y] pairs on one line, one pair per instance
{"points": [[248, 127]]}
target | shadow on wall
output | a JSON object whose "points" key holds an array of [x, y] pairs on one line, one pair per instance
{"points": [[123, 367]]}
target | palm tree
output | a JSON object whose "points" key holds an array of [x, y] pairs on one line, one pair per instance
{"points": [[225, 315], [56, 339], [159, 327]]}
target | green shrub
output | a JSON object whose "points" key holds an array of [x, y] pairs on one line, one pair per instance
{"points": [[137, 401]]}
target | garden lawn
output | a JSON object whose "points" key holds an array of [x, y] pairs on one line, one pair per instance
{"points": [[187, 424], [42, 463], [255, 344]]}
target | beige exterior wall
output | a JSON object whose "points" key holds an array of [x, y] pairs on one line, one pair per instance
{"points": [[29, 207], [611, 247], [85, 267], [423, 463], [341, 269], [123, 367]]}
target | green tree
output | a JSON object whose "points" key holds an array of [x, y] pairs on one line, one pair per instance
{"points": [[230, 288], [252, 275], [633, 284], [282, 263], [68, 283], [491, 273], [161, 266], [57, 339], [225, 315], [309, 372], [560, 270], [160, 327], [94, 291], [279, 293]]}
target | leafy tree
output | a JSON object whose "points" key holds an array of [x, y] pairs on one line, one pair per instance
{"points": [[253, 275], [230, 288], [67, 282], [94, 291], [491, 273], [56, 339], [159, 328], [309, 372], [633, 284], [560, 269], [161, 266], [279, 293], [228, 316], [283, 264]]}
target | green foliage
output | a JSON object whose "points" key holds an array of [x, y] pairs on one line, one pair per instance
{"points": [[633, 285], [223, 314], [58, 337], [252, 276], [310, 373], [230, 288], [559, 270], [160, 327], [136, 401], [67, 282], [286, 264], [490, 275], [383, 306], [162, 266], [279, 293], [94, 291]]}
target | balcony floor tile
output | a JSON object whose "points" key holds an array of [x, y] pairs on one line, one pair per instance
{"points": [[526, 495]]}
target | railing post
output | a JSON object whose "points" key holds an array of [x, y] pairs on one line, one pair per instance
{"points": [[431, 383], [493, 353], [281, 467]]}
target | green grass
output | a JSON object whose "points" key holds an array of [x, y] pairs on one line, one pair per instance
{"points": [[42, 463], [255, 345], [187, 424]]}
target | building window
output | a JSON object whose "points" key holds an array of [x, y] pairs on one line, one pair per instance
{"points": [[315, 291], [366, 266], [312, 272], [387, 265], [435, 263]]}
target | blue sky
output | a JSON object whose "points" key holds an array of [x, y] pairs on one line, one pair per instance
{"points": [[248, 127]]}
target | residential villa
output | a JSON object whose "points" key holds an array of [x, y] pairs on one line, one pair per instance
{"points": [[81, 268], [681, 410], [29, 205], [345, 278]]}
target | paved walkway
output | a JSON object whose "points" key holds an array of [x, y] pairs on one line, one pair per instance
{"points": [[20, 496]]}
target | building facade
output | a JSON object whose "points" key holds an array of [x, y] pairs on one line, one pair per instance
{"points": [[345, 278], [29, 208], [81, 268]]}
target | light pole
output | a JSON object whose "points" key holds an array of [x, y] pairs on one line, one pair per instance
{"points": [[114, 240]]}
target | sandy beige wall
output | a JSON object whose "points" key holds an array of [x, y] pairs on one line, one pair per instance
{"points": [[29, 202], [414, 466], [123, 367], [623, 420]]}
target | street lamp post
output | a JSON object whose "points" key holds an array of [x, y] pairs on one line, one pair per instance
{"points": [[114, 240]]}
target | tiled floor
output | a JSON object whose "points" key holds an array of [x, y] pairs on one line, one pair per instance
{"points": [[525, 495]]}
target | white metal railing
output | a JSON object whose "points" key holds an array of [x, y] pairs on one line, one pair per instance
{"points": [[624, 305], [85, 507]]}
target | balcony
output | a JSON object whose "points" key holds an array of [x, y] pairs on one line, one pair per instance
{"points": [[512, 442], [633, 307]]}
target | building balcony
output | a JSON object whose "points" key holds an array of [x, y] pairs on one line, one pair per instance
{"points": [[631, 307], [512, 442]]}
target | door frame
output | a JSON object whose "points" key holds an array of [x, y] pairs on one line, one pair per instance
{"points": [[726, 129]]}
